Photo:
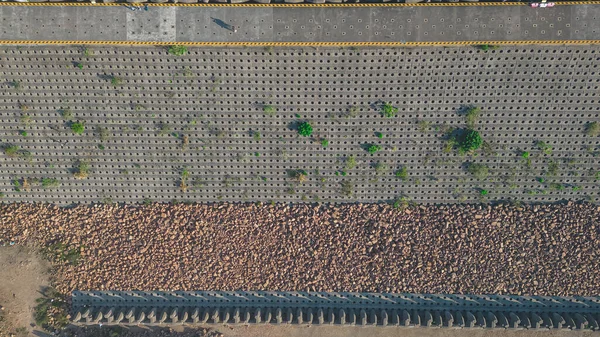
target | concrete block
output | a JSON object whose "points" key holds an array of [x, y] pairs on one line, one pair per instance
{"points": [[449, 319], [558, 320], [342, 315], [152, 316], [513, 320], [492, 320], [320, 316], [363, 318]]}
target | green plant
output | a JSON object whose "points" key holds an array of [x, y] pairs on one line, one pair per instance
{"points": [[147, 201], [87, 52], [547, 149], [17, 183], [541, 180], [305, 129], [424, 126], [480, 171], [115, 80], [379, 167], [576, 188], [60, 252], [25, 119], [402, 203], [185, 175], [351, 112], [21, 332], [11, 150], [177, 50], [269, 109], [347, 188], [592, 129], [402, 173], [469, 141], [77, 127], [66, 113], [101, 146], [299, 175], [50, 182], [449, 145], [163, 129], [379, 135], [483, 192], [557, 186], [81, 170], [552, 168], [350, 162], [79, 65], [256, 135], [472, 115], [525, 154], [324, 142], [486, 47], [102, 133], [388, 110], [372, 148], [23, 133], [16, 84], [51, 310]]}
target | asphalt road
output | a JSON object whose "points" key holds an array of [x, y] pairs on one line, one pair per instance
{"points": [[298, 24]]}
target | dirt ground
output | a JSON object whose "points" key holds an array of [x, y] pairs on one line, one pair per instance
{"points": [[22, 275]]}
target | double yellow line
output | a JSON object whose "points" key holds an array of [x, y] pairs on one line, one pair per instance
{"points": [[301, 44], [425, 4]]}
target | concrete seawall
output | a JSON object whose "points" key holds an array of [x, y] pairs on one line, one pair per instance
{"points": [[359, 309]]}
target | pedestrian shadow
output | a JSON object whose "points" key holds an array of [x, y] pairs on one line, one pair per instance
{"points": [[222, 24]]}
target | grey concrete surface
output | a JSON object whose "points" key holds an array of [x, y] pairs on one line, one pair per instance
{"points": [[286, 24], [237, 152]]}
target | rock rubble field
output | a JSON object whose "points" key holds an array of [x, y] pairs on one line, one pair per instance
{"points": [[516, 249]]}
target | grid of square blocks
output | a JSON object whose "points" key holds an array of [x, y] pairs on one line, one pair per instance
{"points": [[200, 117]]}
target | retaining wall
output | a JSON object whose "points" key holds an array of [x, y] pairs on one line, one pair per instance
{"points": [[361, 309]]}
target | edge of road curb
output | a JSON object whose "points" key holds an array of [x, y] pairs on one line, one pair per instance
{"points": [[299, 44], [454, 4]]}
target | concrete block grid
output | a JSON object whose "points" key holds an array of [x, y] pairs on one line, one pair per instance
{"points": [[363, 309], [213, 100]]}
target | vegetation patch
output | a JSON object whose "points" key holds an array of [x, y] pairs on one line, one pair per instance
{"points": [[592, 129], [77, 127], [51, 310], [269, 109], [472, 115], [177, 50], [388, 110], [81, 170], [402, 173], [479, 171], [305, 129], [372, 148], [545, 148]]}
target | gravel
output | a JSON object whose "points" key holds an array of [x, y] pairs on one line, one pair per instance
{"points": [[529, 249]]}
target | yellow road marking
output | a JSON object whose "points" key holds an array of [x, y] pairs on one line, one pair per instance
{"points": [[298, 44], [453, 4]]}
